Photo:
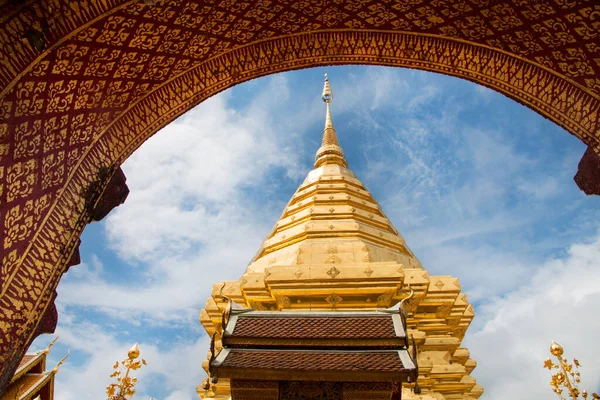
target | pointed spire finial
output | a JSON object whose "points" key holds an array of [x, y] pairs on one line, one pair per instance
{"points": [[330, 151], [55, 369], [327, 94], [47, 349]]}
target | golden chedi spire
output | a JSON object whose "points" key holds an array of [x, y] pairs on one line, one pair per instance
{"points": [[330, 151], [332, 208], [334, 248]]}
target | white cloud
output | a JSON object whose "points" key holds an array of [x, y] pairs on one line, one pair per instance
{"points": [[178, 395], [187, 180], [559, 302]]}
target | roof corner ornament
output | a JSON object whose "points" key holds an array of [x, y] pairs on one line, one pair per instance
{"points": [[231, 308], [400, 306], [47, 349], [208, 383], [213, 355], [55, 369], [226, 313], [417, 388]]}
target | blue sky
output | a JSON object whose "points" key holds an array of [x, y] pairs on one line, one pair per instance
{"points": [[479, 186]]}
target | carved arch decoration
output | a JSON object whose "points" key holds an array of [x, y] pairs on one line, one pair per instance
{"points": [[84, 83]]}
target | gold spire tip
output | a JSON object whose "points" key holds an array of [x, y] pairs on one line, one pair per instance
{"points": [[330, 151], [327, 95]]}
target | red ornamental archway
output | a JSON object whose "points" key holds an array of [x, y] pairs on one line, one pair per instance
{"points": [[84, 83]]}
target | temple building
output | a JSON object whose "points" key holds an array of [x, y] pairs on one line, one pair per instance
{"points": [[32, 381], [334, 255]]}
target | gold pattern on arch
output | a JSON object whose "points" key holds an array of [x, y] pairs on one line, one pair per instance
{"points": [[108, 74]]}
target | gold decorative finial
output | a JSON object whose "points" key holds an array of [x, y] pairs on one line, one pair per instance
{"points": [[55, 369], [329, 134], [327, 94], [208, 384], [567, 377], [330, 151], [556, 349], [404, 300], [47, 349], [125, 387], [134, 352]]}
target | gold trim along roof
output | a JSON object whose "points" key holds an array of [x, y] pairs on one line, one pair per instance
{"points": [[27, 386], [28, 362]]}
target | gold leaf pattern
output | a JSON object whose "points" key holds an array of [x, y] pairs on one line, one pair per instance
{"points": [[120, 73]]}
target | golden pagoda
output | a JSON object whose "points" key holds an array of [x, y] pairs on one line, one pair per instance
{"points": [[334, 250]]}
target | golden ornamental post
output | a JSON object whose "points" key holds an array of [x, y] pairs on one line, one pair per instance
{"points": [[567, 377], [124, 388]]}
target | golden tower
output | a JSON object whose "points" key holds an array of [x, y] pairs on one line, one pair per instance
{"points": [[333, 248]]}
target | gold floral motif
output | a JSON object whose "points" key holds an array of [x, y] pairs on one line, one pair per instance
{"points": [[333, 272], [333, 299], [283, 301], [21, 178], [102, 62], [124, 388], [567, 378], [384, 300], [53, 169], [146, 36], [549, 73]]}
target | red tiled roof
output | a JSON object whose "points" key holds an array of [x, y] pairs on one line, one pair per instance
{"points": [[22, 385], [26, 358], [377, 361], [315, 327], [27, 364]]}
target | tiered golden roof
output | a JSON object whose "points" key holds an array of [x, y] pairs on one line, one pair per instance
{"points": [[333, 248], [31, 380]]}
